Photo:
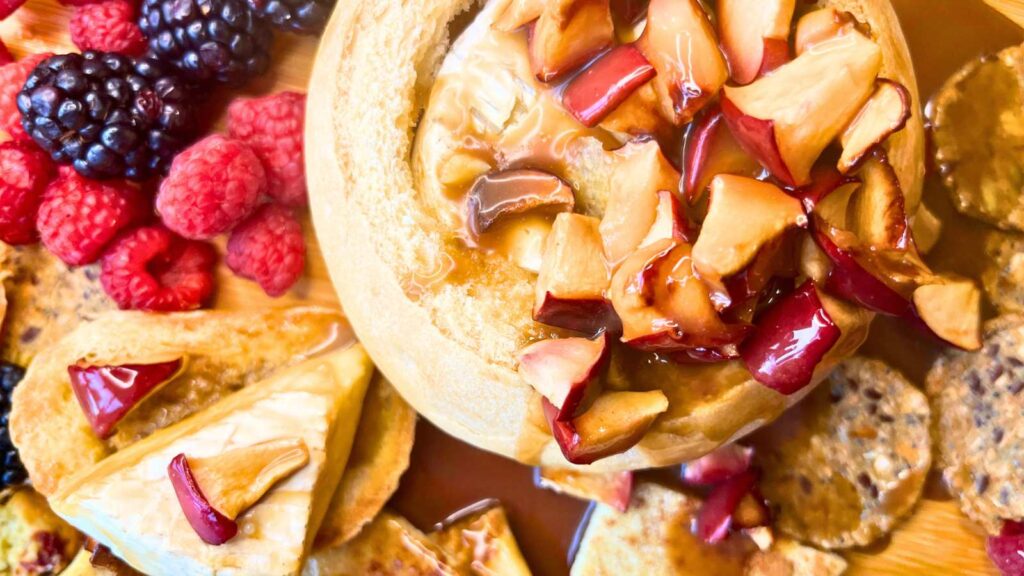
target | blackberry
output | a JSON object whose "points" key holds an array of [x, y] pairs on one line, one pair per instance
{"points": [[296, 16], [106, 114], [12, 471], [207, 40]]}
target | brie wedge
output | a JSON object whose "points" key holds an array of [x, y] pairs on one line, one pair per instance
{"points": [[127, 503]]}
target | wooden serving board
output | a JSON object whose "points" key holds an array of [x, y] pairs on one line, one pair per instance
{"points": [[937, 539]]}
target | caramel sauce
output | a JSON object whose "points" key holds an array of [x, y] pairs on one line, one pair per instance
{"points": [[447, 475]]}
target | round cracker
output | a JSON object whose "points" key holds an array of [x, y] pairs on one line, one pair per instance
{"points": [[979, 409], [847, 463], [448, 342], [977, 122]]}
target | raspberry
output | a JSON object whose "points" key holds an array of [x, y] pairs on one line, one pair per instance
{"points": [[268, 249], [5, 54], [107, 26], [272, 126], [212, 186], [151, 268], [7, 7], [12, 78], [79, 217], [24, 173]]}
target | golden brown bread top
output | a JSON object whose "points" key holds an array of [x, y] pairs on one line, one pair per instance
{"points": [[429, 310]]}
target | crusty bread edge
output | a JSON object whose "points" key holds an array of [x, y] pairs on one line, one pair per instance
{"points": [[477, 401]]}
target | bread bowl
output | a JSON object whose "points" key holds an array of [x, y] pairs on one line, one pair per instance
{"points": [[444, 321]]}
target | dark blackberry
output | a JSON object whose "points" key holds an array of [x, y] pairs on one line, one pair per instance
{"points": [[106, 114], [207, 40], [12, 471], [296, 16]]}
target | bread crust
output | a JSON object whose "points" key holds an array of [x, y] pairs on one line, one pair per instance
{"points": [[444, 338]]}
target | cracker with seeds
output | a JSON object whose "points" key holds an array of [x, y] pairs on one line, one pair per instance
{"points": [[843, 466], [979, 408]]}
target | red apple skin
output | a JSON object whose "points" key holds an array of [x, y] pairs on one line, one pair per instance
{"points": [[606, 83], [849, 280], [791, 339], [757, 138], [715, 516], [1007, 549], [212, 527], [776, 53], [579, 392], [584, 316], [718, 466], [108, 393], [825, 180], [564, 433], [711, 149]]}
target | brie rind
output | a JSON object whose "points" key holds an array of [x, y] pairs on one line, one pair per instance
{"points": [[127, 503]]}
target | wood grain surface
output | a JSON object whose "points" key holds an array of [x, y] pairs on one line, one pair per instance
{"points": [[937, 539]]}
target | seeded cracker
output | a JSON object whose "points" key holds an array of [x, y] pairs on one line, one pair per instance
{"points": [[980, 429], [843, 466]]}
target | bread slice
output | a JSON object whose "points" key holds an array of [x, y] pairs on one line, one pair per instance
{"points": [[443, 322], [128, 504]]}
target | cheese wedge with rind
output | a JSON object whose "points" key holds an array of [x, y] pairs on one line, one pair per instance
{"points": [[127, 503]]}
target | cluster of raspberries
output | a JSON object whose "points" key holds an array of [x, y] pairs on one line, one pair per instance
{"points": [[152, 242]]}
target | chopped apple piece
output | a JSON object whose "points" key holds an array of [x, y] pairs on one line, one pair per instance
{"points": [[670, 221], [791, 339], [788, 118], [613, 424], [574, 278], [877, 215], [952, 311], [754, 33], [711, 150], [663, 306], [743, 216], [884, 114], [641, 171], [566, 371], [611, 488], [718, 466], [716, 514], [680, 42], [108, 393], [821, 25], [235, 480], [210, 525], [638, 115], [517, 13], [606, 83], [567, 34], [504, 194]]}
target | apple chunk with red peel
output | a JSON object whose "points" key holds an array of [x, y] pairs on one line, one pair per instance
{"points": [[567, 34], [791, 339], [640, 171], [718, 466], [212, 527], [664, 306], [711, 150], [574, 278], [613, 424], [877, 212], [108, 393], [787, 119], [606, 83], [952, 311], [753, 32], [820, 26], [505, 194], [884, 114], [716, 514], [744, 215], [566, 371], [680, 42], [670, 222]]}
